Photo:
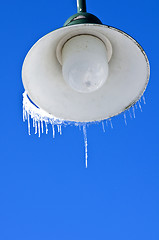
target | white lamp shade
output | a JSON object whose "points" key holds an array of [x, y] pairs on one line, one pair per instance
{"points": [[128, 76]]}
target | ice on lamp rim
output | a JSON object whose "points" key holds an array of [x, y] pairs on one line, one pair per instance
{"points": [[40, 117]]}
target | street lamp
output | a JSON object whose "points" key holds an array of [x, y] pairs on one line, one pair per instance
{"points": [[83, 72]]}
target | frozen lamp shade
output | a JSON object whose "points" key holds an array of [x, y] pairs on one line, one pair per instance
{"points": [[85, 63]]}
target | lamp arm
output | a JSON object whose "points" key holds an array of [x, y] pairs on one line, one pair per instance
{"points": [[81, 6]]}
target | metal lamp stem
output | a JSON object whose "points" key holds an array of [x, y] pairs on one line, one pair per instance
{"points": [[81, 6], [82, 17]]}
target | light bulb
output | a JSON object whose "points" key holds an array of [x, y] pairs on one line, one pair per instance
{"points": [[84, 63]]}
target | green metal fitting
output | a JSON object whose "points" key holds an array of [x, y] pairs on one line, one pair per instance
{"points": [[81, 6], [82, 16]]}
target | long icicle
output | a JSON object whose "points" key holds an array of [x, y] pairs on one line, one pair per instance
{"points": [[86, 144]]}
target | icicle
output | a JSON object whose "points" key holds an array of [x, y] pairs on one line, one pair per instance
{"points": [[42, 126], [125, 119], [53, 130], [86, 145], [35, 126], [130, 114], [34, 122], [133, 111], [140, 106], [23, 113], [136, 106], [111, 124], [60, 130], [46, 127], [103, 126], [106, 123], [39, 115], [28, 123], [39, 129], [143, 97]]}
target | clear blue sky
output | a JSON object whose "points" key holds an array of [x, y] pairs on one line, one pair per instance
{"points": [[45, 191]]}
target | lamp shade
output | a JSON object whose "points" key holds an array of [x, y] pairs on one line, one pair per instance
{"points": [[127, 78]]}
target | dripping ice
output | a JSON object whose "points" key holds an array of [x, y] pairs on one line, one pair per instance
{"points": [[42, 119]]}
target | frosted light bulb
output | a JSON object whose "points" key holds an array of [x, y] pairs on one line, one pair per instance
{"points": [[84, 63]]}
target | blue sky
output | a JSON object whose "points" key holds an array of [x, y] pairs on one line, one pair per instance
{"points": [[45, 191]]}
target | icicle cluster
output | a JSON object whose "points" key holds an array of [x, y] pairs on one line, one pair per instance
{"points": [[41, 118]]}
